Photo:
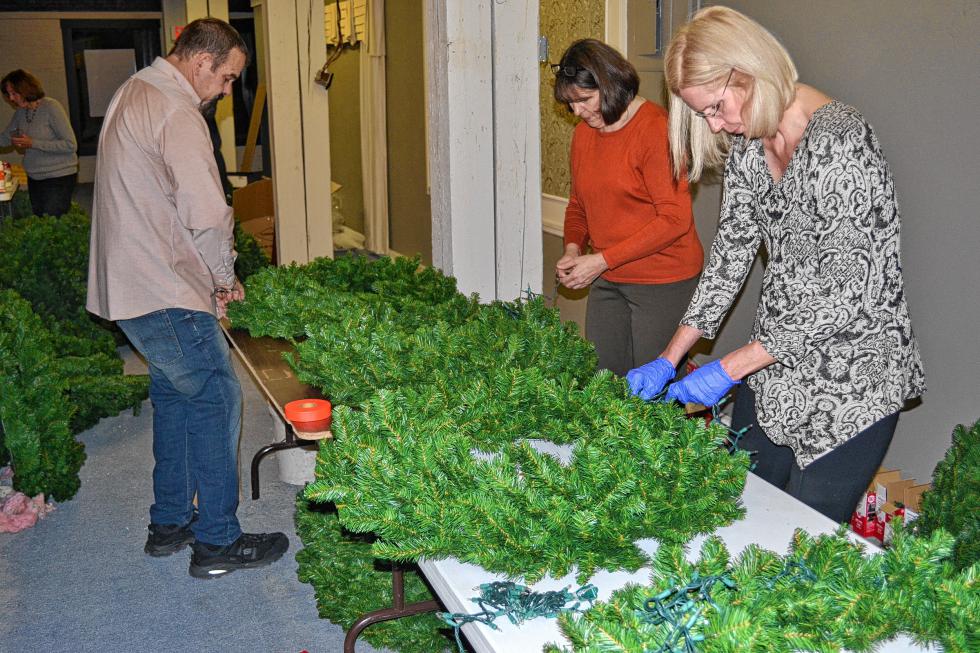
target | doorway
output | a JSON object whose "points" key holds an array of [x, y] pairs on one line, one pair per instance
{"points": [[121, 45]]}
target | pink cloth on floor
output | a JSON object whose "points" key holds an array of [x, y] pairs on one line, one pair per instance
{"points": [[18, 511]]}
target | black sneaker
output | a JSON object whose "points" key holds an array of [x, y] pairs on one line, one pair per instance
{"points": [[165, 540], [247, 552]]}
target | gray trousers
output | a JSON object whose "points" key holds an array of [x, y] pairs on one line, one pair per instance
{"points": [[631, 323]]}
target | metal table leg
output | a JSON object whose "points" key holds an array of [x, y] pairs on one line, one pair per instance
{"points": [[289, 443], [396, 611]]}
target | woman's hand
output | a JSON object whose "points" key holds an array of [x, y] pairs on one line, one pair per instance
{"points": [[705, 385], [22, 142], [709, 383], [566, 262], [649, 380], [581, 271]]}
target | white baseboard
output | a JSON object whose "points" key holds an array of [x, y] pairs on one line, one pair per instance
{"points": [[553, 214]]}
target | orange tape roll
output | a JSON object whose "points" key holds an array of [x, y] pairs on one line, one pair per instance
{"points": [[309, 414]]}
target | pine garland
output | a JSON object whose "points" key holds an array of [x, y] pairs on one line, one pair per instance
{"points": [[349, 582], [45, 456], [367, 351], [60, 369], [283, 301], [953, 503], [404, 468], [439, 377], [251, 258], [844, 600], [437, 461]]}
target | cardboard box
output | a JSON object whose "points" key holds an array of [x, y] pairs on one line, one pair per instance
{"points": [[913, 501], [864, 519], [254, 208], [892, 490], [890, 496], [913, 496], [888, 515], [253, 201], [264, 231]]}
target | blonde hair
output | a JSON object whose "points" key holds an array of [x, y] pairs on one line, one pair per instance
{"points": [[716, 41]]}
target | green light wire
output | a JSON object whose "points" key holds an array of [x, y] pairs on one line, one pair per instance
{"points": [[519, 604]]}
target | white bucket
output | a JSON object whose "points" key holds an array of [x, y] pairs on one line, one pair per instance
{"points": [[296, 465]]}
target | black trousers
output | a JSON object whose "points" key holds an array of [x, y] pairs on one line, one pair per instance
{"points": [[631, 323], [833, 483], [51, 196]]}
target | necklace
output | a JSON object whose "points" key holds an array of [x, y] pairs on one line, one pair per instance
{"points": [[29, 115]]}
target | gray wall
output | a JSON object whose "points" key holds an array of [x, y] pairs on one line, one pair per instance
{"points": [[911, 68]]}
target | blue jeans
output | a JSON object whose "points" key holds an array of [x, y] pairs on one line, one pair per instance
{"points": [[197, 417]]}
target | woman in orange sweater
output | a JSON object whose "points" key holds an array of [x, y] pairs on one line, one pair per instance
{"points": [[627, 205]]}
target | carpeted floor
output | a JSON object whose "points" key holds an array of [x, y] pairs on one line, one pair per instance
{"points": [[79, 580]]}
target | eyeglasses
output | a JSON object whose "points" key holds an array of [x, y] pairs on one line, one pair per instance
{"points": [[567, 70], [713, 110]]}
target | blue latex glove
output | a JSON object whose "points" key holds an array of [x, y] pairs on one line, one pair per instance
{"points": [[705, 385], [648, 380]]}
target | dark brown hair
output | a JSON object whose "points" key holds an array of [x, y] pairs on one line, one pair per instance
{"points": [[24, 84], [592, 65], [211, 36]]}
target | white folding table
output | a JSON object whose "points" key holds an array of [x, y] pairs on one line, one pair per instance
{"points": [[771, 517], [6, 195]]}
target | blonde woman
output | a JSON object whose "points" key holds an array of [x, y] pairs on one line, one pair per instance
{"points": [[832, 357]]}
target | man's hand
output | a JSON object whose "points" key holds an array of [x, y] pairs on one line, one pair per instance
{"points": [[223, 296]]}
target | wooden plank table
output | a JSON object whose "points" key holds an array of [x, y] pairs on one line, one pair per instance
{"points": [[263, 358]]}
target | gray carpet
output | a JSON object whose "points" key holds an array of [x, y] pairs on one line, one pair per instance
{"points": [[79, 580]]}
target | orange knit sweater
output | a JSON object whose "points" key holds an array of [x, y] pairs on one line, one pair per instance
{"points": [[626, 203]]}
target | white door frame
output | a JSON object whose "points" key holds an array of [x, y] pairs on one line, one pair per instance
{"points": [[374, 131], [616, 35], [484, 144]]}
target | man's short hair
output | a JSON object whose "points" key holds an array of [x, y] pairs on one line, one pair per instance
{"points": [[211, 36]]}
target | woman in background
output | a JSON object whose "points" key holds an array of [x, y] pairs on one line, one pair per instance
{"points": [[625, 203], [832, 357], [40, 130]]}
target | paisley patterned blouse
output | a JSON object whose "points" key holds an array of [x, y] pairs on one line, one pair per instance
{"points": [[833, 309]]}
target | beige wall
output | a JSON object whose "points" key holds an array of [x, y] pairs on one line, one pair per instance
{"points": [[345, 136], [409, 205], [910, 68], [21, 40], [32, 41]]}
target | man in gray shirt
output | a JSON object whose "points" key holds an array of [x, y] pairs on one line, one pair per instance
{"points": [[162, 266]]}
